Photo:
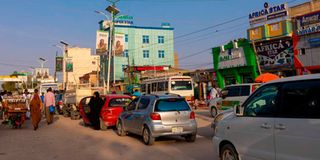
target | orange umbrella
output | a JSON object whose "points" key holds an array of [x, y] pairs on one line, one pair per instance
{"points": [[266, 77]]}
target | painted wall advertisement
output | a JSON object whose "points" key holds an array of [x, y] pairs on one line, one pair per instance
{"points": [[102, 43], [119, 45], [59, 64], [232, 58], [41, 73], [275, 53], [307, 24], [69, 65], [268, 13]]}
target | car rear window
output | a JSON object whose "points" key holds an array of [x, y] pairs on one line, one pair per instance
{"points": [[165, 105], [119, 102]]}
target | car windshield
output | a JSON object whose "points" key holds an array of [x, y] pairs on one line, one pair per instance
{"points": [[181, 85], [172, 104], [119, 102]]}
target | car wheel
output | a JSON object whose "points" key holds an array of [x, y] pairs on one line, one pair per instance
{"points": [[229, 153], [213, 112], [120, 130], [147, 137], [102, 125], [191, 137]]}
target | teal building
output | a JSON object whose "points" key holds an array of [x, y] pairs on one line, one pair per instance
{"points": [[141, 46]]}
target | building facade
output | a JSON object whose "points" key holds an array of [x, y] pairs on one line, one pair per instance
{"points": [[306, 37], [140, 46], [234, 63], [80, 62]]}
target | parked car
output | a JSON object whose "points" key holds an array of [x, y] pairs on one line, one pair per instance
{"points": [[152, 116], [280, 120], [110, 111], [232, 95]]}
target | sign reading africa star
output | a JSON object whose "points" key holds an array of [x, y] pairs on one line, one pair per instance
{"points": [[268, 13]]}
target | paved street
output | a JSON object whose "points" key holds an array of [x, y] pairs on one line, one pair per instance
{"points": [[68, 139]]}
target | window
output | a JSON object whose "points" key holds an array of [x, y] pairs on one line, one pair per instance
{"points": [[126, 38], [143, 88], [161, 86], [133, 104], [172, 104], [119, 102], [300, 100], [302, 51], [154, 87], [161, 39], [144, 102], [145, 39], [236, 91], [161, 54], [145, 53], [181, 85], [126, 53], [262, 103]]}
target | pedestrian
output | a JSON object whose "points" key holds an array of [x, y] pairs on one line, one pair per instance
{"points": [[215, 92], [27, 97], [95, 105], [136, 93], [49, 101], [35, 108]]}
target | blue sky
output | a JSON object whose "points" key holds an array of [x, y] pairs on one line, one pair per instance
{"points": [[29, 28]]}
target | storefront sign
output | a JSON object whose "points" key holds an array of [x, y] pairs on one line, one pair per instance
{"points": [[256, 33], [119, 45], [275, 29], [232, 58], [268, 13], [124, 20], [59, 63], [275, 53], [307, 24]]}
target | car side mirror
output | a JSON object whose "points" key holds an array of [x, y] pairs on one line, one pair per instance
{"points": [[238, 110], [224, 94]]}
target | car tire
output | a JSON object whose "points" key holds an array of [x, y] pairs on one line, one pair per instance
{"points": [[228, 152], [120, 131], [191, 137], [103, 127], [213, 111], [147, 136]]}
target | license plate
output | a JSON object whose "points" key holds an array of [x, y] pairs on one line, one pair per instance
{"points": [[177, 129]]}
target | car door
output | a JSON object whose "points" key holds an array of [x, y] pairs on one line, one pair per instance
{"points": [[252, 133], [128, 116], [140, 114], [297, 128]]}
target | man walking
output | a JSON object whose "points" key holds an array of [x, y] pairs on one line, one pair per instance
{"points": [[49, 100]]}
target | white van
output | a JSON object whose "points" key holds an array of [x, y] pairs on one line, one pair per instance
{"points": [[280, 120], [231, 95]]}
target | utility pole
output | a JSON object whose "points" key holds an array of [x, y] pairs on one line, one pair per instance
{"points": [[256, 55], [65, 55], [114, 11]]}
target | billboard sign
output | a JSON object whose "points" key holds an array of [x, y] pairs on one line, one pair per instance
{"points": [[59, 64], [69, 65], [268, 13], [102, 42], [119, 45], [41, 73], [275, 53], [308, 24]]}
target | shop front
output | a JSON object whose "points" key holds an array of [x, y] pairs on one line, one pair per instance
{"points": [[307, 43], [234, 63]]}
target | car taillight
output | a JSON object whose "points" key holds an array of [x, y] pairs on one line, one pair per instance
{"points": [[192, 115], [155, 116]]}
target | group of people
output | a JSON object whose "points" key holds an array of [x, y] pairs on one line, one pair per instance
{"points": [[37, 104]]}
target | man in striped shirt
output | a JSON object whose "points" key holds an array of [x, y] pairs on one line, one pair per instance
{"points": [[49, 100]]}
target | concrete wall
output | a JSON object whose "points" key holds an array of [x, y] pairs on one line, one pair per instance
{"points": [[83, 63]]}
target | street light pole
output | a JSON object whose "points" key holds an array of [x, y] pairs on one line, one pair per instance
{"points": [[65, 74]]}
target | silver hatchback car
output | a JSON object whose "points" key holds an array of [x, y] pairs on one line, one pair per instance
{"points": [[152, 116]]}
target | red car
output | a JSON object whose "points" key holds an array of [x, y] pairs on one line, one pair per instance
{"points": [[113, 106]]}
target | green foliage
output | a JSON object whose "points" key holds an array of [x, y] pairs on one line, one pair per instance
{"points": [[9, 86]]}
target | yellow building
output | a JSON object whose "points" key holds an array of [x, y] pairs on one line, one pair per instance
{"points": [[82, 63]]}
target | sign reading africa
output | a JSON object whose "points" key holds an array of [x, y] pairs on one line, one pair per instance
{"points": [[307, 24], [275, 53], [268, 13]]}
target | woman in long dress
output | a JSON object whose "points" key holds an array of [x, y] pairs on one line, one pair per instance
{"points": [[36, 107], [95, 104]]}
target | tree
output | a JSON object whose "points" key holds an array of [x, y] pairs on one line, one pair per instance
{"points": [[9, 86]]}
